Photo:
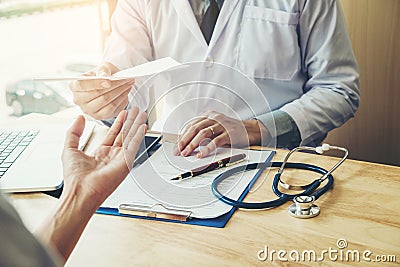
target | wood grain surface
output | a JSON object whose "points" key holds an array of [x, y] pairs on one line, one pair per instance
{"points": [[361, 209]]}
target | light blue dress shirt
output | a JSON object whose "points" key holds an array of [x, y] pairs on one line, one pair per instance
{"points": [[287, 133]]}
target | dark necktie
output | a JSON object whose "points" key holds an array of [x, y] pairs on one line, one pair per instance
{"points": [[209, 20]]}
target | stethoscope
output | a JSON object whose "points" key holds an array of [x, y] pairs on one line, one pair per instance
{"points": [[303, 206]]}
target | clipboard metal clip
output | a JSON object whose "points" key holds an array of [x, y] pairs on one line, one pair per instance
{"points": [[155, 211]]}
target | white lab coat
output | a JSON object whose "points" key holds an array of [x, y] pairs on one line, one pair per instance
{"points": [[296, 51]]}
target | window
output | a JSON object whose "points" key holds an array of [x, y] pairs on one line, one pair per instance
{"points": [[46, 37]]}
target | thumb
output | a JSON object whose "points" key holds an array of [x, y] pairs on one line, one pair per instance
{"points": [[105, 70], [74, 133]]}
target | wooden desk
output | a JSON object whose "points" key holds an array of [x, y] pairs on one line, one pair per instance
{"points": [[362, 209]]}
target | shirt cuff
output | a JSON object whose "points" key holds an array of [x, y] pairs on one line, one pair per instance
{"points": [[282, 128]]}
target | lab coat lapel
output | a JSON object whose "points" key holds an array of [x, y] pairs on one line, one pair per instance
{"points": [[224, 15], [185, 14]]}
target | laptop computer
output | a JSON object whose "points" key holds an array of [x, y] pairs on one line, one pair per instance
{"points": [[30, 155]]}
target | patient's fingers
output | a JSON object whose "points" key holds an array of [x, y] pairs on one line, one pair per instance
{"points": [[115, 129], [75, 133], [132, 147], [129, 121], [133, 133], [139, 120]]}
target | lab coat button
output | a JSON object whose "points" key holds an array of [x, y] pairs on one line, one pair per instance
{"points": [[209, 62]]}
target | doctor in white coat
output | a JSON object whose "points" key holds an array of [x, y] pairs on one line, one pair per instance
{"points": [[297, 52]]}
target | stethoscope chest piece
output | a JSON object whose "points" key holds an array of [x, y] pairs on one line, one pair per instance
{"points": [[304, 207]]}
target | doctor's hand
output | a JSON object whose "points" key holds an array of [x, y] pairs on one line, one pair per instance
{"points": [[102, 99], [89, 180], [217, 130]]}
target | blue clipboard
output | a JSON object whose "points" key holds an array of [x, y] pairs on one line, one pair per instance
{"points": [[218, 222]]}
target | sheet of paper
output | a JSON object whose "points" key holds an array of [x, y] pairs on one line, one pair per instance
{"points": [[150, 184], [145, 69]]}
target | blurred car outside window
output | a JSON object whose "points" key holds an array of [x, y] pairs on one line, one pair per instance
{"points": [[28, 96]]}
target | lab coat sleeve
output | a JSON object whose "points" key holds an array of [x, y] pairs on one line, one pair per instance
{"points": [[331, 94], [129, 43]]}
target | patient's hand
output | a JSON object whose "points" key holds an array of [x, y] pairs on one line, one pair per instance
{"points": [[89, 180], [97, 176]]}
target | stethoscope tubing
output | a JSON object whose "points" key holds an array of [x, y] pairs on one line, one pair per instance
{"points": [[310, 189]]}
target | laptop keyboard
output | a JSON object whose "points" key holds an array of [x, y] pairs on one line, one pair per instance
{"points": [[12, 144]]}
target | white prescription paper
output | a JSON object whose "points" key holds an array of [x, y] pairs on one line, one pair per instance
{"points": [[149, 184], [146, 69]]}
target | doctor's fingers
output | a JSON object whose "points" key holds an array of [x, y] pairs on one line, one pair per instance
{"points": [[98, 85], [187, 135], [206, 116], [106, 69], [205, 144], [208, 138], [106, 107], [220, 140], [103, 69], [82, 97], [196, 134]]}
